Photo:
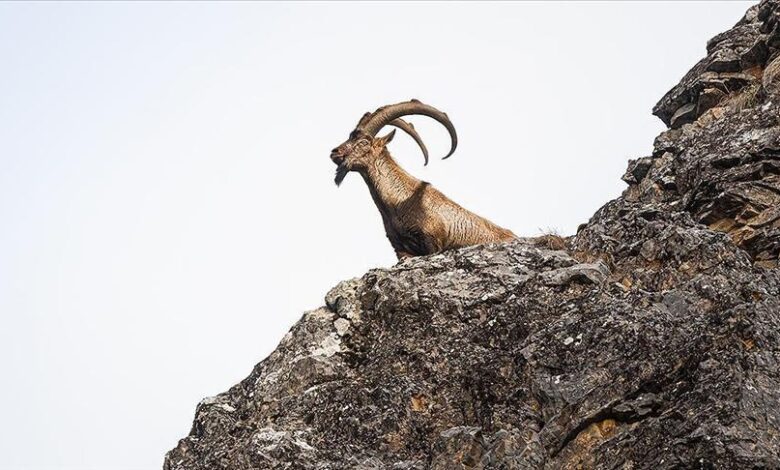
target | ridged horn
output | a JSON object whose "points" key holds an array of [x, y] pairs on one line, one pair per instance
{"points": [[409, 129], [372, 123]]}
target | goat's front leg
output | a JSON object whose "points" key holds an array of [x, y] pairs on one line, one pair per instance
{"points": [[403, 255]]}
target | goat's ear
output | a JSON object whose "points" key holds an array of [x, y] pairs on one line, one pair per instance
{"points": [[386, 139]]}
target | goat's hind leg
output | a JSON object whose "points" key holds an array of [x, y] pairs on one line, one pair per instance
{"points": [[403, 255]]}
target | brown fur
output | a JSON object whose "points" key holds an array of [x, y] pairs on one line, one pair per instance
{"points": [[418, 219]]}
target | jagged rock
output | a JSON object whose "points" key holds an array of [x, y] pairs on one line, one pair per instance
{"points": [[771, 78], [587, 272], [648, 340], [734, 60], [637, 170], [460, 447]]}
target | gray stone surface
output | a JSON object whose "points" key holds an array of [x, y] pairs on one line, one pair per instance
{"points": [[648, 340]]}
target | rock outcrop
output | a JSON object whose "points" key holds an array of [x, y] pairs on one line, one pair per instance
{"points": [[650, 339]]}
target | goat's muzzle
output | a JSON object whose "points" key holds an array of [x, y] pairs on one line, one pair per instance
{"points": [[337, 158]]}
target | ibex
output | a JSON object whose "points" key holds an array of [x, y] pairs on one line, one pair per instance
{"points": [[418, 219]]}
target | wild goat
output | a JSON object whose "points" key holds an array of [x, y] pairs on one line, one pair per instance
{"points": [[419, 220]]}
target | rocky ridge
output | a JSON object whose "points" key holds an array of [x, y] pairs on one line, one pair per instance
{"points": [[650, 339]]}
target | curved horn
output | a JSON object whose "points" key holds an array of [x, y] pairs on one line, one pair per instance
{"points": [[409, 129], [381, 117]]}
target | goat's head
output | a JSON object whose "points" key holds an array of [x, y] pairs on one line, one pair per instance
{"points": [[363, 145]]}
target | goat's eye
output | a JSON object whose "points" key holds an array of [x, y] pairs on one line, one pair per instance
{"points": [[362, 143]]}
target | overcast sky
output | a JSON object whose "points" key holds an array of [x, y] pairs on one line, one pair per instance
{"points": [[167, 206]]}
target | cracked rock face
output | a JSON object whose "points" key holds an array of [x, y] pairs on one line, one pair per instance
{"points": [[649, 339]]}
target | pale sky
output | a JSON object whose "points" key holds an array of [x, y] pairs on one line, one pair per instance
{"points": [[167, 206]]}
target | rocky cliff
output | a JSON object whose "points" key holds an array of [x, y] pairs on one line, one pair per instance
{"points": [[650, 339]]}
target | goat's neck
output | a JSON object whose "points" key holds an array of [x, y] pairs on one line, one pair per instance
{"points": [[389, 184]]}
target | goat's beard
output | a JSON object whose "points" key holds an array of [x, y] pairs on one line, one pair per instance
{"points": [[341, 173]]}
